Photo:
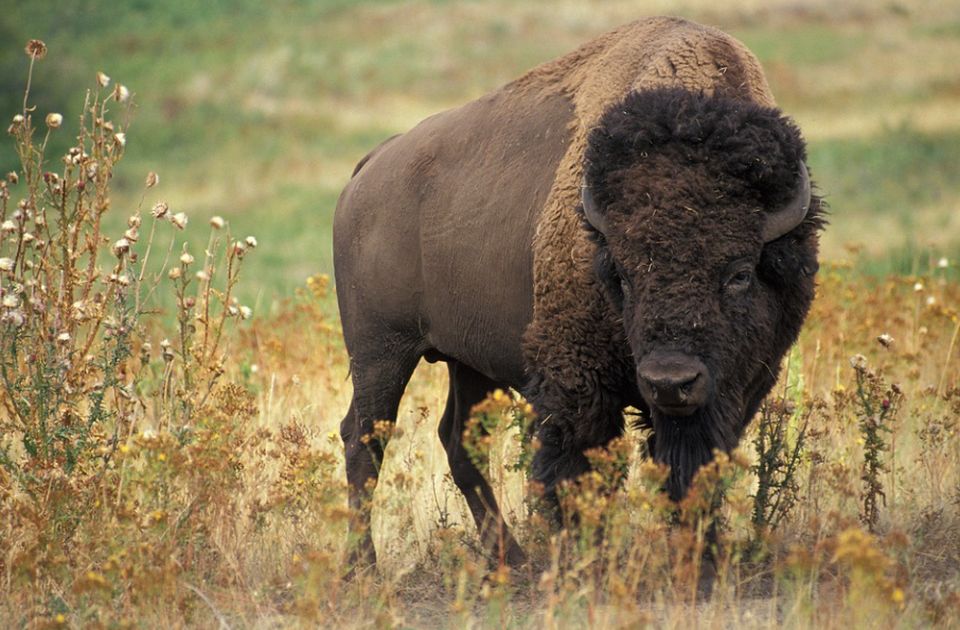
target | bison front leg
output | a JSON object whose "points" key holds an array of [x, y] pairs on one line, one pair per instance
{"points": [[572, 422], [467, 388]]}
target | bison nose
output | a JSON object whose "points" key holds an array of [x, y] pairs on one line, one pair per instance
{"points": [[675, 383]]}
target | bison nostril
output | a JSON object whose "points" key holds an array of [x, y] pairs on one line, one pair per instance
{"points": [[674, 382]]}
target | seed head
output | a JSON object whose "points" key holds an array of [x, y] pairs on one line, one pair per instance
{"points": [[186, 259], [239, 249], [858, 362], [246, 312], [8, 226], [63, 337], [885, 340], [121, 93], [28, 237], [14, 317], [6, 264], [134, 220], [120, 138], [36, 49], [250, 241], [160, 209], [179, 220], [174, 273], [12, 177], [918, 287], [217, 222], [103, 79], [132, 234], [152, 179], [10, 301], [943, 263], [203, 275], [931, 300], [18, 119], [54, 120], [121, 247]]}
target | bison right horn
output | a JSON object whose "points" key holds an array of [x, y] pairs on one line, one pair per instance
{"points": [[590, 210], [792, 214]]}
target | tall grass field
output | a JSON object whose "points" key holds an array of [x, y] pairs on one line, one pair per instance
{"points": [[172, 374]]}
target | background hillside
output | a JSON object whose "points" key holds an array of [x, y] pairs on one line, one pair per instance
{"points": [[258, 111]]}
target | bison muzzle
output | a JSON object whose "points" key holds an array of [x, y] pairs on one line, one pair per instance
{"points": [[631, 225]]}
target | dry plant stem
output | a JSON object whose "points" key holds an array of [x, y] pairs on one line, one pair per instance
{"points": [[163, 267], [203, 289], [946, 359], [26, 91]]}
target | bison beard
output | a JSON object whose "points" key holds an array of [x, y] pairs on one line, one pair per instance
{"points": [[685, 447]]}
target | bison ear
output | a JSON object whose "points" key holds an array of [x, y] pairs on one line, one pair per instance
{"points": [[590, 210]]}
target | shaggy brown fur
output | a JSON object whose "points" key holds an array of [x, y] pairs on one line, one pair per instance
{"points": [[683, 180], [460, 241]]}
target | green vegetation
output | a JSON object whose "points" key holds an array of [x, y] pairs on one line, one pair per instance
{"points": [[258, 112]]}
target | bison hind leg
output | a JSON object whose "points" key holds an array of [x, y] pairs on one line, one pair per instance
{"points": [[467, 388], [379, 380]]}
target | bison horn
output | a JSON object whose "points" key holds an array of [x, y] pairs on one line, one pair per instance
{"points": [[790, 215], [590, 210]]}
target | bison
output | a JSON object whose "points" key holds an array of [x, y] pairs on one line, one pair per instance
{"points": [[631, 224]]}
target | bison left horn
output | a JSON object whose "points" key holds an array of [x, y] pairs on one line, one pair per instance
{"points": [[590, 210], [790, 215]]}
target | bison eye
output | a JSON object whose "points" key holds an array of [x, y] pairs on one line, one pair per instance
{"points": [[739, 281]]}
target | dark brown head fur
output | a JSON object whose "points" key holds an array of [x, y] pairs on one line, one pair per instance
{"points": [[684, 182]]}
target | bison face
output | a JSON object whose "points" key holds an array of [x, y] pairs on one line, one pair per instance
{"points": [[706, 247]]}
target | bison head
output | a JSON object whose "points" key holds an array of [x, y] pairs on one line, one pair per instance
{"points": [[706, 235]]}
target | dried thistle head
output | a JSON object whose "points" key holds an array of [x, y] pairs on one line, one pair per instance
{"points": [[36, 49], [121, 93], [160, 210], [54, 120], [121, 247], [102, 79]]}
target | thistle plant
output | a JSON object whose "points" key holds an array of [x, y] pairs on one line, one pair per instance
{"points": [[779, 441], [78, 305], [879, 404]]}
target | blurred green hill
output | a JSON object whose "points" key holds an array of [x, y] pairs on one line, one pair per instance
{"points": [[258, 111]]}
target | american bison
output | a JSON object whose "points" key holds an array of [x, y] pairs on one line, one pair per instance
{"points": [[631, 224]]}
